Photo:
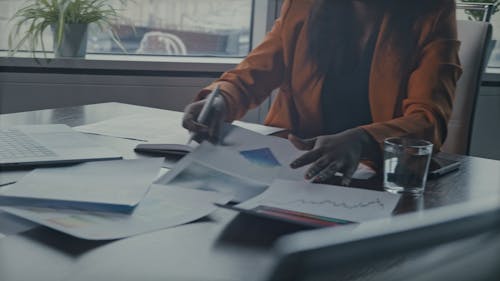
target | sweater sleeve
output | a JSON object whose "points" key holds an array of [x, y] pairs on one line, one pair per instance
{"points": [[253, 80], [431, 87]]}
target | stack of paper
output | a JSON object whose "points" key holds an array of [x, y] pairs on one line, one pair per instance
{"points": [[114, 186], [161, 208], [115, 199], [244, 165], [164, 127], [254, 169], [89, 200]]}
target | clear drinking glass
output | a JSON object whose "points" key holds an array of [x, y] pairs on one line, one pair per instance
{"points": [[406, 162]]}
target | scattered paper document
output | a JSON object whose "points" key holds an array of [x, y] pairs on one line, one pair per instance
{"points": [[244, 165], [258, 128], [159, 127], [9, 177], [217, 168], [301, 200], [165, 127], [241, 140], [163, 207], [11, 225], [114, 186]]}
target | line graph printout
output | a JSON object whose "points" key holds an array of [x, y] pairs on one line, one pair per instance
{"points": [[327, 201]]}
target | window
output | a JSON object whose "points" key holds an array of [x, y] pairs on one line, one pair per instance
{"points": [[221, 28], [164, 27], [495, 21]]}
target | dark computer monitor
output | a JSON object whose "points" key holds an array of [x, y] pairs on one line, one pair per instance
{"points": [[320, 254]]}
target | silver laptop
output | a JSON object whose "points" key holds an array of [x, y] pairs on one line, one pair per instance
{"points": [[48, 144]]}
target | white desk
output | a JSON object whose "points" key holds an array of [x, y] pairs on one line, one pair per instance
{"points": [[223, 246]]}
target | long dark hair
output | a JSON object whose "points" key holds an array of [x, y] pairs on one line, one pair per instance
{"points": [[331, 39]]}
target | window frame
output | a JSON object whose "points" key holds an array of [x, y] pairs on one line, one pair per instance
{"points": [[264, 13]]}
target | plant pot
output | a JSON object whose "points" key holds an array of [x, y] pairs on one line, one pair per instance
{"points": [[73, 43]]}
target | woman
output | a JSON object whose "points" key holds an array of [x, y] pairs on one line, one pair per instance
{"points": [[390, 66]]}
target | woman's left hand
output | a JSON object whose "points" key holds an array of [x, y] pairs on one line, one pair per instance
{"points": [[333, 153]]}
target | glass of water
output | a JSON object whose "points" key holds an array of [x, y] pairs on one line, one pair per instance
{"points": [[406, 162]]}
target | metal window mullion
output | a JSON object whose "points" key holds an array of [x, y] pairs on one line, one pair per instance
{"points": [[488, 12], [259, 21], [485, 7]]}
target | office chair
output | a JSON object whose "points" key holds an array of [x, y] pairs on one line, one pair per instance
{"points": [[475, 38]]}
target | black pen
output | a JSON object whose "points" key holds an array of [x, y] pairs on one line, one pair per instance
{"points": [[205, 111], [8, 183], [444, 170]]}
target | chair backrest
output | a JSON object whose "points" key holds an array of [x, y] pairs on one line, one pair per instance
{"points": [[475, 38]]}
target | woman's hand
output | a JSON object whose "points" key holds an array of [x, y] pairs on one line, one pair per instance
{"points": [[209, 130], [333, 153]]}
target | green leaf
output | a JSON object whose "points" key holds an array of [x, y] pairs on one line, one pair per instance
{"points": [[38, 15]]}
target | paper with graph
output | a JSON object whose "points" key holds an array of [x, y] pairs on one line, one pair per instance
{"points": [[161, 208], [244, 165], [220, 169], [318, 203]]}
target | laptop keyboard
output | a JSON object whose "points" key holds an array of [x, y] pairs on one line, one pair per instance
{"points": [[14, 144]]}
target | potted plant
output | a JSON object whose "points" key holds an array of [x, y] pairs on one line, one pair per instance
{"points": [[68, 20]]}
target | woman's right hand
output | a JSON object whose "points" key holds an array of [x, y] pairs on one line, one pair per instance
{"points": [[209, 130]]}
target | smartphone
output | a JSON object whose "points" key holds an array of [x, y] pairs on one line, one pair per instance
{"points": [[164, 149], [441, 166]]}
